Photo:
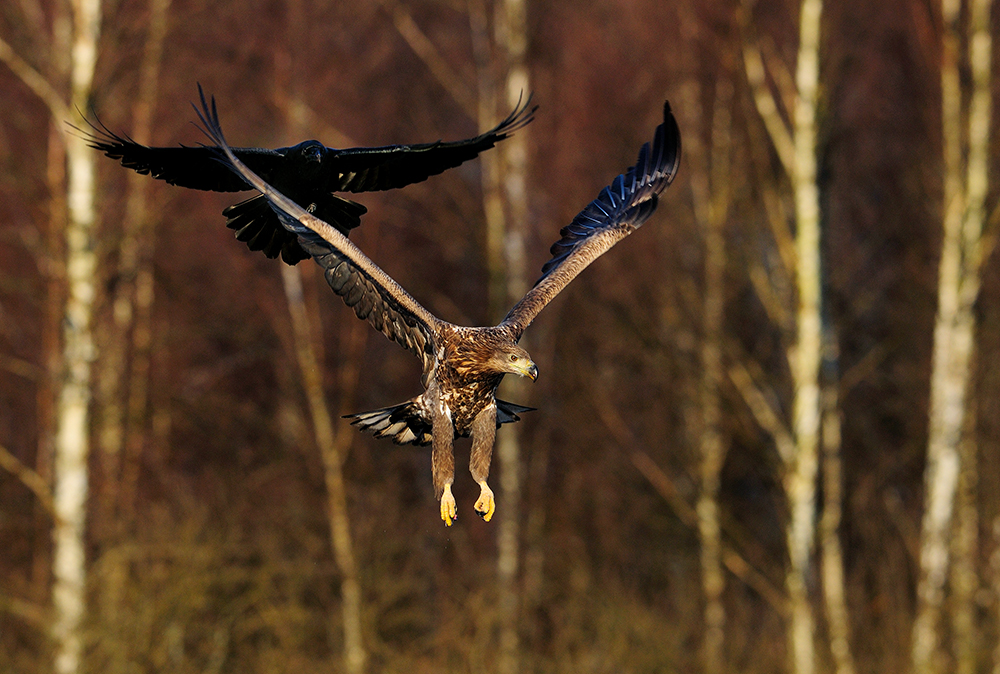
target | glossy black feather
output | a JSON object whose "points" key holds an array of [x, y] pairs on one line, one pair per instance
{"points": [[308, 173], [653, 171]]}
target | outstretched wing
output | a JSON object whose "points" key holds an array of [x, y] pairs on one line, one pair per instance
{"points": [[372, 293], [367, 169], [620, 209], [359, 169], [197, 168]]}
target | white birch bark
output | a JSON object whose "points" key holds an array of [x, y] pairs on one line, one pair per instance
{"points": [[710, 188], [800, 481], [512, 35], [955, 322], [831, 550], [134, 256], [332, 440], [798, 155], [332, 448], [72, 439]]}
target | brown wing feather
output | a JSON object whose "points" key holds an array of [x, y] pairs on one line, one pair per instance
{"points": [[372, 293], [619, 210]]}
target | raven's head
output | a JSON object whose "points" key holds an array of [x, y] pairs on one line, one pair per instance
{"points": [[308, 152]]}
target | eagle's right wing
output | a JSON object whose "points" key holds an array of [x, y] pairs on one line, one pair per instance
{"points": [[372, 293]]}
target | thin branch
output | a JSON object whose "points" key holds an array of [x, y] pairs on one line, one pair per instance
{"points": [[783, 79], [733, 561], [660, 481], [777, 128], [422, 46], [35, 81], [29, 612], [20, 367], [29, 478], [763, 411]]}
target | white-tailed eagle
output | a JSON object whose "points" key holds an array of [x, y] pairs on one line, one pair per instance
{"points": [[462, 366]]}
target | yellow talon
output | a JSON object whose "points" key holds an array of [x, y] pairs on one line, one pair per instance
{"points": [[486, 505], [449, 510]]}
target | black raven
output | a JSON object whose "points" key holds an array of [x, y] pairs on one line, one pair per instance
{"points": [[308, 173]]}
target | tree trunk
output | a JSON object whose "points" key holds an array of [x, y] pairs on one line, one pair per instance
{"points": [[800, 480], [512, 35], [829, 525], [955, 323], [710, 188], [116, 336], [332, 447], [333, 443], [72, 440]]}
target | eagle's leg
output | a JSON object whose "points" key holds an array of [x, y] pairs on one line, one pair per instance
{"points": [[484, 431], [443, 463]]}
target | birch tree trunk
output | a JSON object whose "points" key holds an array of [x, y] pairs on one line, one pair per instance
{"points": [[710, 187], [72, 440], [800, 481], [333, 442], [333, 447], [831, 550], [512, 35], [955, 322], [797, 150], [116, 334]]}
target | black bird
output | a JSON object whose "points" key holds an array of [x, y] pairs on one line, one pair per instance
{"points": [[308, 173]]}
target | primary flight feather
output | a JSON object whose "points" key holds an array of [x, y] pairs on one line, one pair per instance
{"points": [[462, 366]]}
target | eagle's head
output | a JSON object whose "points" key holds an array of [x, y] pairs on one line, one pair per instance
{"points": [[512, 359]]}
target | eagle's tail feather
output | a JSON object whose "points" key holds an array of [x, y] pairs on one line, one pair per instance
{"points": [[404, 424]]}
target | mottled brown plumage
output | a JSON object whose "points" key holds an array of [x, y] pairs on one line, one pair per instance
{"points": [[462, 366]]}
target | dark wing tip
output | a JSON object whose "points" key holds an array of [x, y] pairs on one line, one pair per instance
{"points": [[209, 116], [672, 139], [631, 198], [522, 115], [103, 139]]}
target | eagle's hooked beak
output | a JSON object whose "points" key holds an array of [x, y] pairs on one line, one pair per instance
{"points": [[531, 371]]}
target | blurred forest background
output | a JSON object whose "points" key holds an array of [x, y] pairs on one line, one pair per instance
{"points": [[742, 460]]}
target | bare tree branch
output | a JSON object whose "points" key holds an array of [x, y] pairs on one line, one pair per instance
{"points": [[29, 478], [37, 82], [777, 128], [422, 46], [763, 410]]}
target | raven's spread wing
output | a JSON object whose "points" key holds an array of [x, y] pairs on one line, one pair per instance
{"points": [[310, 184], [193, 167], [368, 169], [372, 293], [619, 210], [359, 169]]}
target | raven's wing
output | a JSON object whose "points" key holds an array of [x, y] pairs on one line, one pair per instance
{"points": [[193, 167], [372, 293], [369, 169], [619, 210]]}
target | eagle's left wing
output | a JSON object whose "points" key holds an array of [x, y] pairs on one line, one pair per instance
{"points": [[619, 210], [363, 285]]}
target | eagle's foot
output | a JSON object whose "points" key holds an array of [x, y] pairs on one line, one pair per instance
{"points": [[485, 506], [449, 509]]}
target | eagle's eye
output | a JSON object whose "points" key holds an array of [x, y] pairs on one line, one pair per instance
{"points": [[513, 357]]}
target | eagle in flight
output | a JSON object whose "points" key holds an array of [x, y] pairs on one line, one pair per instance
{"points": [[462, 366], [308, 173]]}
